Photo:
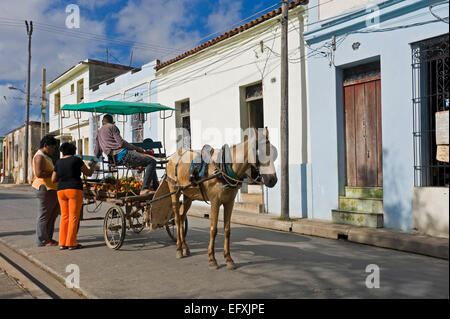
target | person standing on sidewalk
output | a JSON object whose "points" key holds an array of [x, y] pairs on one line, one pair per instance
{"points": [[45, 191], [67, 173]]}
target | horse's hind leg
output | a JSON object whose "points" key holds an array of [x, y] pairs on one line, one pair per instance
{"points": [[183, 214], [176, 211], [212, 235], [228, 209]]}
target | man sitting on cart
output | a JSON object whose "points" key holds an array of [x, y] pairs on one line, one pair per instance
{"points": [[111, 143]]}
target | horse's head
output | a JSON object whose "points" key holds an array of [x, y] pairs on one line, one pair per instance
{"points": [[264, 156]]}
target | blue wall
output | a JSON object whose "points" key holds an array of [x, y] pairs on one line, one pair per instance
{"points": [[297, 192], [393, 50]]}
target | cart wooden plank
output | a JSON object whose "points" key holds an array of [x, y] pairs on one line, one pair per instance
{"points": [[161, 210]]}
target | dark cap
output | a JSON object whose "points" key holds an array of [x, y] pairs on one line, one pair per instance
{"points": [[109, 118]]}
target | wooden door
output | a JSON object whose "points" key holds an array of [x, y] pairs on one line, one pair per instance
{"points": [[362, 99]]}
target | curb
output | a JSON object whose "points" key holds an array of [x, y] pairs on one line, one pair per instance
{"points": [[23, 283], [379, 237], [22, 187], [49, 270]]}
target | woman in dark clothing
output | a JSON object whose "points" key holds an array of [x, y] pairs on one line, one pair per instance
{"points": [[67, 172]]}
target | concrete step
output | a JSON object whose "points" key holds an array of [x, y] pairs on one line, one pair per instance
{"points": [[363, 192], [250, 207], [372, 205], [365, 219], [251, 198]]}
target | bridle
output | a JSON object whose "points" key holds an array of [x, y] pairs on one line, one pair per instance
{"points": [[255, 173]]}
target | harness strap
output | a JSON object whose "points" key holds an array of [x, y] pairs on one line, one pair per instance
{"points": [[200, 186], [178, 162]]}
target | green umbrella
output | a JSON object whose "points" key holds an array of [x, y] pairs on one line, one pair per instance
{"points": [[117, 107]]}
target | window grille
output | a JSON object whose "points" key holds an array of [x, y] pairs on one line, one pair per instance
{"points": [[430, 67]]}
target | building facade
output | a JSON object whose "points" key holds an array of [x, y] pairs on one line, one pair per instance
{"points": [[1, 157], [14, 152], [73, 87], [231, 83], [377, 74], [137, 85]]}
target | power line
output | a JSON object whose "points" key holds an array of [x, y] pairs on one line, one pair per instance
{"points": [[240, 48], [204, 67], [183, 78], [90, 36], [120, 42], [434, 14]]}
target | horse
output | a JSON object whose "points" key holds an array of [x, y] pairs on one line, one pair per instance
{"points": [[255, 153]]}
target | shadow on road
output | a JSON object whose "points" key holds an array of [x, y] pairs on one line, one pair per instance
{"points": [[4, 196]]}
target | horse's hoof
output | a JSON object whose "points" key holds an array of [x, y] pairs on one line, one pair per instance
{"points": [[231, 265], [213, 265], [179, 254], [186, 252]]}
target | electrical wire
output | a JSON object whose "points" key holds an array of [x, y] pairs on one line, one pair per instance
{"points": [[240, 48], [435, 15]]}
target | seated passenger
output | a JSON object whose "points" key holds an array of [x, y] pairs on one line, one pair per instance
{"points": [[111, 143]]}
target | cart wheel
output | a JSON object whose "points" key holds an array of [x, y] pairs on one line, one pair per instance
{"points": [[137, 221], [114, 227], [171, 228]]}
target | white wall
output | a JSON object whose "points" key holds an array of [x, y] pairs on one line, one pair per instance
{"points": [[430, 211], [212, 78], [69, 98], [130, 87]]}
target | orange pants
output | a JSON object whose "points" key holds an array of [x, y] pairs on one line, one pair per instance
{"points": [[70, 201]]}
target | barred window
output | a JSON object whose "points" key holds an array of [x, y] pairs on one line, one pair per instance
{"points": [[430, 67]]}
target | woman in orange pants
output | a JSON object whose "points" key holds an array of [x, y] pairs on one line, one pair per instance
{"points": [[67, 172]]}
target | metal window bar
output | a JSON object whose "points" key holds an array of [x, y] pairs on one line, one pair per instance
{"points": [[430, 70]]}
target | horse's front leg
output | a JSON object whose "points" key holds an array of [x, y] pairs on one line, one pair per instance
{"points": [[176, 211], [228, 210], [212, 234], [183, 215]]}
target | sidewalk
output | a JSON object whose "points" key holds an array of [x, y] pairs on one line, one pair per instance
{"points": [[381, 237]]}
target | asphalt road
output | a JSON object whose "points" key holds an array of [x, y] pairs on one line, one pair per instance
{"points": [[270, 264]]}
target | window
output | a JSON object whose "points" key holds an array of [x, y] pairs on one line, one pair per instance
{"points": [[137, 124], [57, 102], [80, 91], [86, 146], [254, 92], [184, 122], [72, 88], [430, 67]]}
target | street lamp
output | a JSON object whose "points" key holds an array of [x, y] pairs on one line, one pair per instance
{"points": [[14, 88]]}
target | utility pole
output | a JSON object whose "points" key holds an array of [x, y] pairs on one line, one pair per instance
{"points": [[284, 123], [27, 121], [43, 105]]}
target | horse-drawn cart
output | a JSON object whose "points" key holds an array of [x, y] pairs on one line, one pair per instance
{"points": [[111, 184]]}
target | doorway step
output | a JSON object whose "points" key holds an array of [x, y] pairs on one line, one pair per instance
{"points": [[252, 203], [361, 206]]}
